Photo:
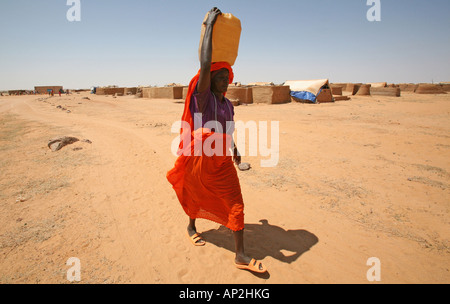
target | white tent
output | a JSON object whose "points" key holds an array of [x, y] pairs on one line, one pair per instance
{"points": [[307, 90]]}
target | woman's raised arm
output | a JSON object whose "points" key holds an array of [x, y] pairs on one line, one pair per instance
{"points": [[206, 52]]}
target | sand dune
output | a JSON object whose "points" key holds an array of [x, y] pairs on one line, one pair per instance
{"points": [[367, 177]]}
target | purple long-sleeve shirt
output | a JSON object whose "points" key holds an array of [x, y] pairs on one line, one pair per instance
{"points": [[225, 112]]}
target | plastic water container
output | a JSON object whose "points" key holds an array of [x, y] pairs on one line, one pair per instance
{"points": [[226, 36]]}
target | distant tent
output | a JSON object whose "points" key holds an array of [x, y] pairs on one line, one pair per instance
{"points": [[308, 90]]}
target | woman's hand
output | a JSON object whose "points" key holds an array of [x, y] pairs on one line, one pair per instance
{"points": [[212, 16]]}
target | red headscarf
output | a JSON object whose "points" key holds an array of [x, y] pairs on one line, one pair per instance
{"points": [[187, 117]]}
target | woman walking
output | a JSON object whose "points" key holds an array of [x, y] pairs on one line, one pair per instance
{"points": [[206, 185]]}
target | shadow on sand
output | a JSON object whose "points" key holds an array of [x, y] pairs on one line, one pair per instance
{"points": [[262, 240]]}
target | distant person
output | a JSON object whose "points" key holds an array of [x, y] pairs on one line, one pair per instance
{"points": [[60, 92], [208, 186]]}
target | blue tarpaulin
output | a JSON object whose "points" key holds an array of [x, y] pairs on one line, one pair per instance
{"points": [[303, 95], [307, 90]]}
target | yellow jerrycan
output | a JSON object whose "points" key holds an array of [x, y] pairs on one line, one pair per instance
{"points": [[225, 40]]}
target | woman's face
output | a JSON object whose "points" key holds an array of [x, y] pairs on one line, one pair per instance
{"points": [[220, 81]]}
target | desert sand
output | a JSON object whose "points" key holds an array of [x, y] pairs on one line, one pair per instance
{"points": [[366, 177]]}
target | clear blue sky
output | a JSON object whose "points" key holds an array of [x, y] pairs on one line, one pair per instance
{"points": [[155, 42]]}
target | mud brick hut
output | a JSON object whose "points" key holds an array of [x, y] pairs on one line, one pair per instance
{"points": [[364, 90], [385, 91], [271, 94], [408, 87], [243, 94], [426, 88], [110, 91], [130, 91], [175, 92], [353, 88], [18, 92], [45, 89]]}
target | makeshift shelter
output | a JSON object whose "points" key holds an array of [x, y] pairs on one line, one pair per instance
{"points": [[425, 88], [45, 89], [244, 94], [394, 92], [271, 94], [353, 88], [408, 87], [17, 92], [336, 90], [130, 91], [310, 90], [364, 90], [109, 91], [163, 92]]}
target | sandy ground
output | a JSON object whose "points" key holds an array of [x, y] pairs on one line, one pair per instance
{"points": [[368, 177]]}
